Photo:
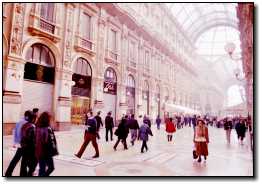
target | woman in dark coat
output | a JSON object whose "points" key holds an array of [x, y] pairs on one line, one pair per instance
{"points": [[45, 145], [241, 131], [122, 132]]}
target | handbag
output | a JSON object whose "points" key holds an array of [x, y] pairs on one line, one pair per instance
{"points": [[194, 154], [117, 132], [52, 144]]}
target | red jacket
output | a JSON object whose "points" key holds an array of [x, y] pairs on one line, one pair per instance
{"points": [[170, 127]]}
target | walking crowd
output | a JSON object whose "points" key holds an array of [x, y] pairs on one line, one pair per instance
{"points": [[36, 142]]}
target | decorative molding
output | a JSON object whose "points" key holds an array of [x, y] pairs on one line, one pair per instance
{"points": [[17, 29], [68, 36], [12, 97]]}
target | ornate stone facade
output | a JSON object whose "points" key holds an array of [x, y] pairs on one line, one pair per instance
{"points": [[245, 13], [162, 56]]}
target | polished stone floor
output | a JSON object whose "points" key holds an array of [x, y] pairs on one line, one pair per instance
{"points": [[163, 158]]}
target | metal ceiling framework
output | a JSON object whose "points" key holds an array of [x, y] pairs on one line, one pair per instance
{"points": [[196, 18]]}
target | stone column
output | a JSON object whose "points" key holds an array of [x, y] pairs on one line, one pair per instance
{"points": [[122, 83], [14, 71], [63, 83]]}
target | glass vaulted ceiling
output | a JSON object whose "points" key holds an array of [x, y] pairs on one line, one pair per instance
{"points": [[196, 18], [210, 26]]}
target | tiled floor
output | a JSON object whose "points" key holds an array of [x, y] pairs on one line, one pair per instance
{"points": [[163, 158]]}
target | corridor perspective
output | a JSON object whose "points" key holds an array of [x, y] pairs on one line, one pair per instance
{"points": [[128, 89]]}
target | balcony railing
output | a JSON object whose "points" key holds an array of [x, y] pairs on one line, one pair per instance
{"points": [[43, 27], [112, 57], [47, 26], [83, 44]]}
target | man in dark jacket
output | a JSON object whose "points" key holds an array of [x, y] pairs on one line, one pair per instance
{"points": [[17, 140], [99, 123], [90, 135], [28, 147], [122, 132], [109, 124], [133, 126]]}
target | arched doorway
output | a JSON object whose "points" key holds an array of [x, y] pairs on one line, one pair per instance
{"points": [[158, 99], [110, 92], [39, 75], [130, 94], [81, 90], [145, 98]]}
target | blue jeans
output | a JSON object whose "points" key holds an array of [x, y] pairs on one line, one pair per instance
{"points": [[42, 166]]}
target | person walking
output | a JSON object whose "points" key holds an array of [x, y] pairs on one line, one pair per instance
{"points": [[28, 162], [147, 121], [201, 139], [133, 126], [241, 131], [158, 122], [109, 124], [17, 139], [140, 120], [228, 127], [170, 129], [144, 131], [122, 132], [99, 123], [46, 145], [90, 135]]}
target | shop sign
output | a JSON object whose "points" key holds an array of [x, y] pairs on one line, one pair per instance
{"points": [[110, 87]]}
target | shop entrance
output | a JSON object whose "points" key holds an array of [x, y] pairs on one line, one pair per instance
{"points": [[81, 91]]}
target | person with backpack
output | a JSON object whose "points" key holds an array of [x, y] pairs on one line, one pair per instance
{"points": [[90, 135], [109, 124], [46, 145], [29, 162], [144, 131], [17, 140]]}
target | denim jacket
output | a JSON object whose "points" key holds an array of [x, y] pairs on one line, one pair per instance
{"points": [[17, 131]]}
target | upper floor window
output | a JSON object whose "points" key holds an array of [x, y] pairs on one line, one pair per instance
{"points": [[47, 11], [113, 41], [86, 26], [130, 81], [147, 59], [132, 51]]}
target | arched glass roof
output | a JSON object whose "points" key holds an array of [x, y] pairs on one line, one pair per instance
{"points": [[196, 18]]}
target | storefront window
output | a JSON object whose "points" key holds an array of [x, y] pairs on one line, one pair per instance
{"points": [[40, 64], [81, 91], [110, 82]]}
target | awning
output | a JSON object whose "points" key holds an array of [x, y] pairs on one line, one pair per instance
{"points": [[173, 108]]}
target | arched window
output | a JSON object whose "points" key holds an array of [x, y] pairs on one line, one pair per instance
{"points": [[40, 54], [110, 81], [110, 75], [82, 67], [130, 81], [82, 77], [40, 64]]}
